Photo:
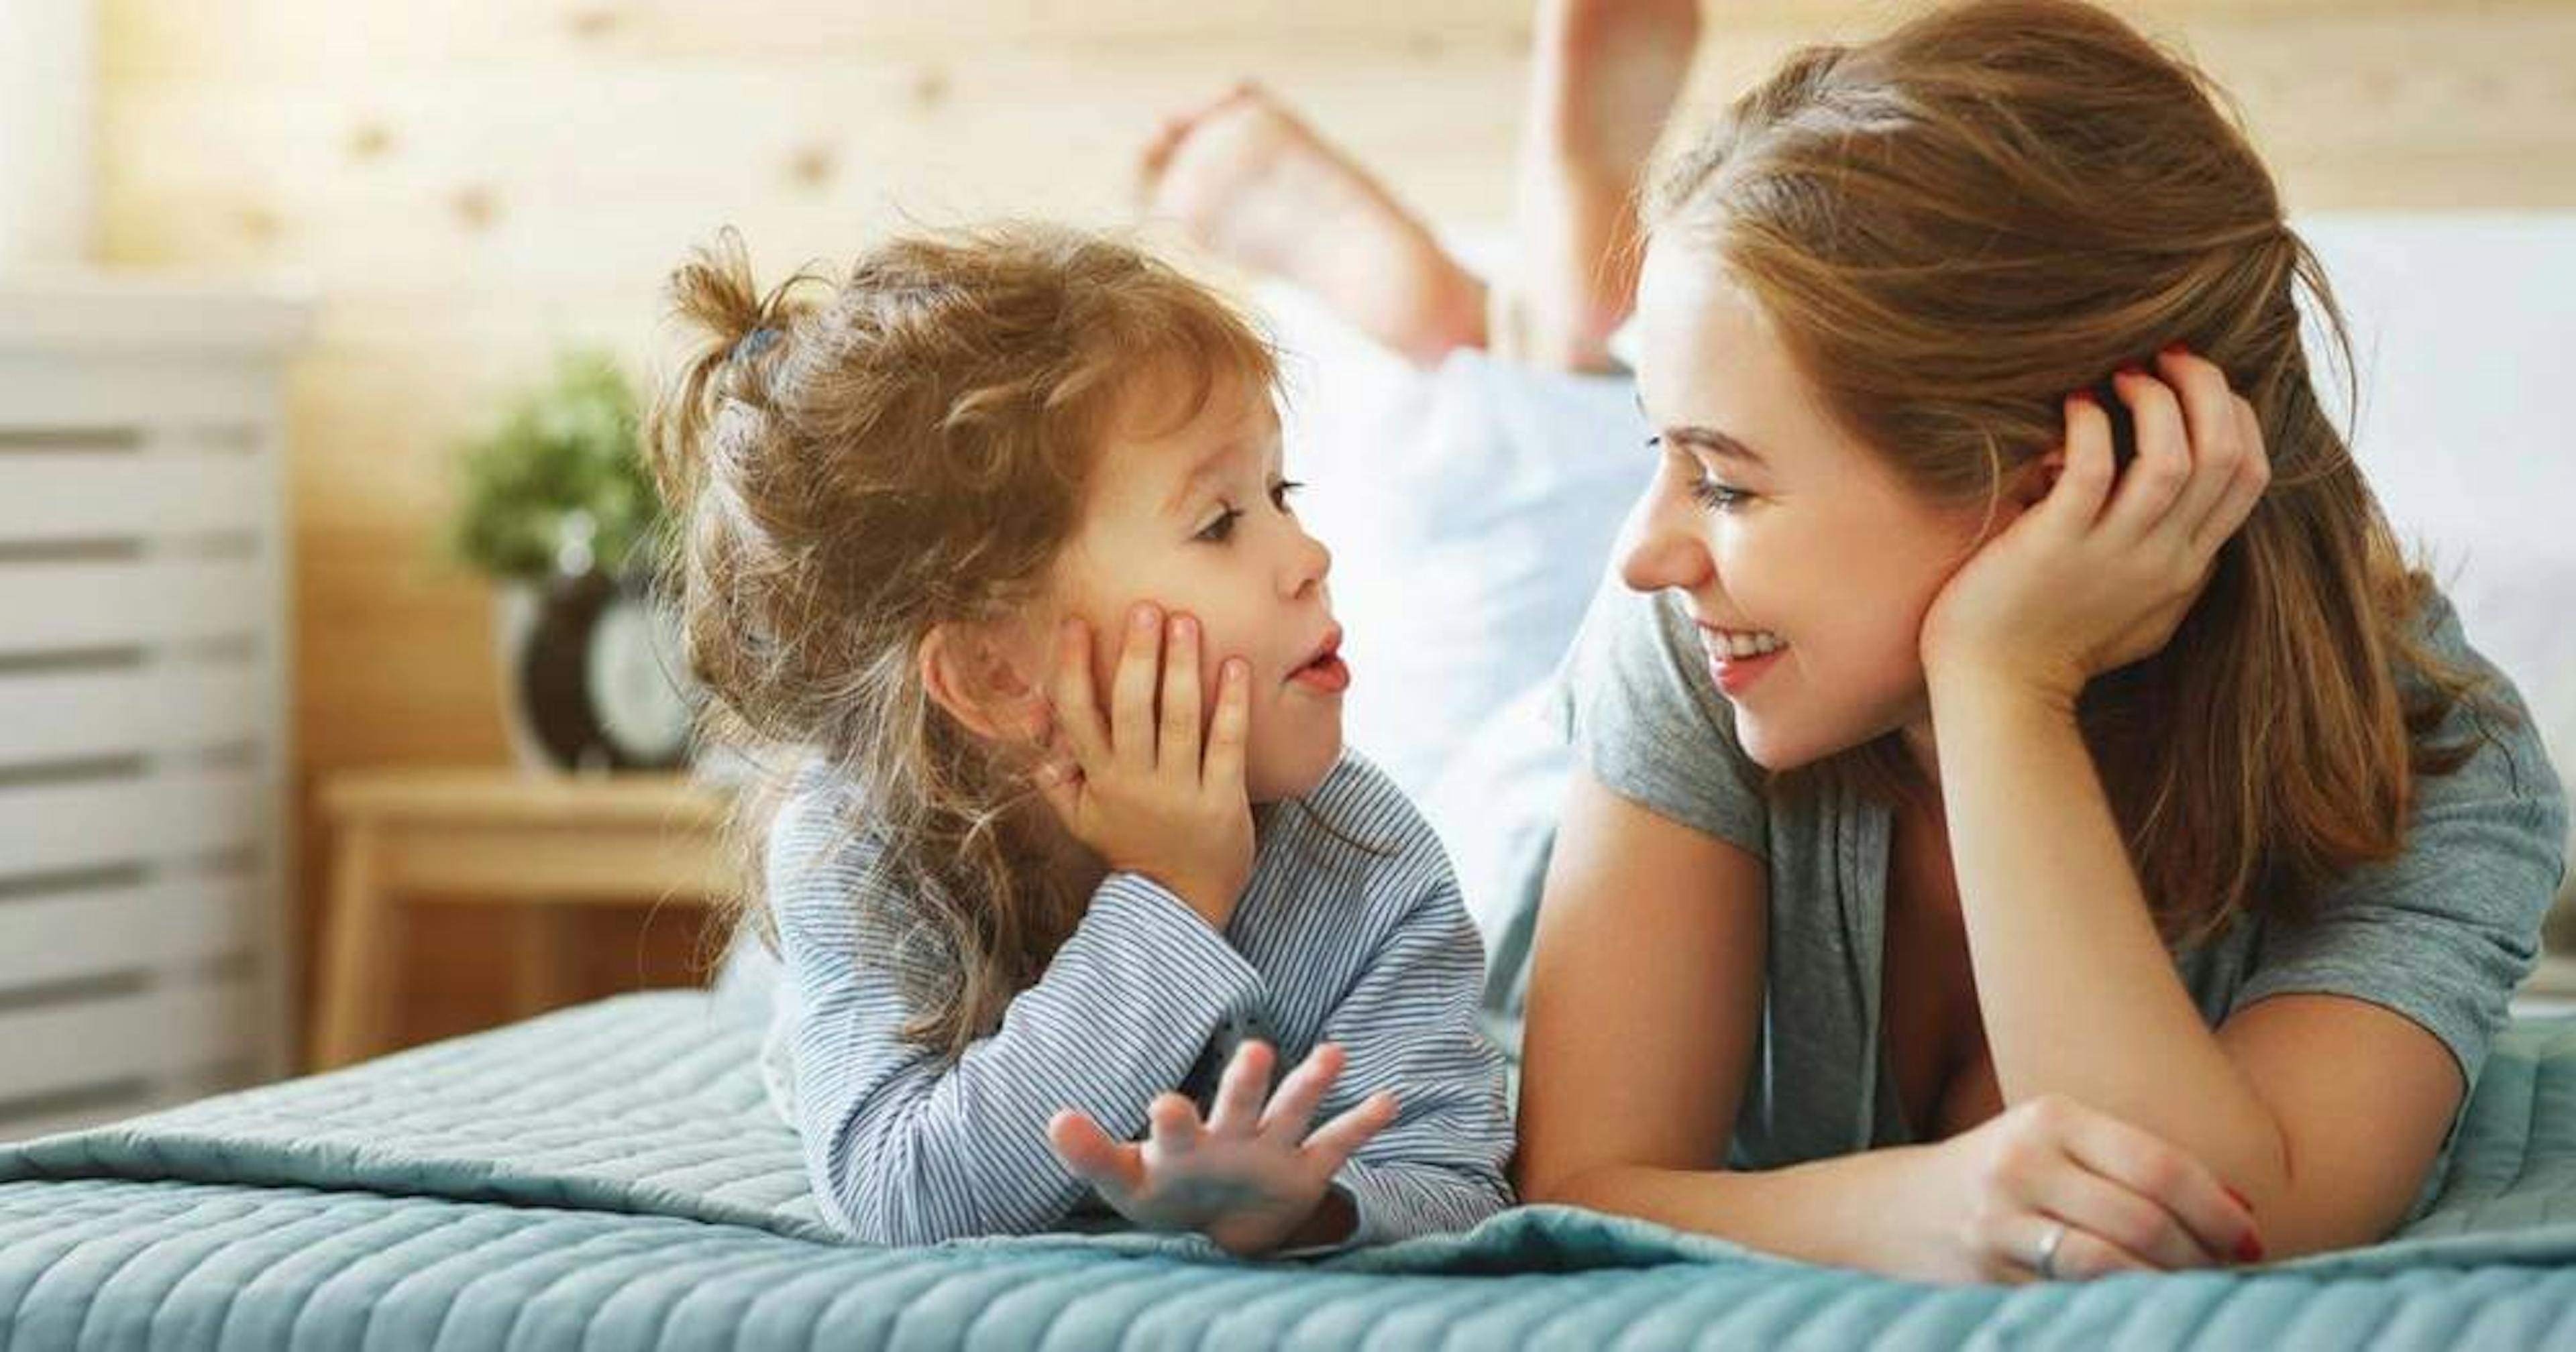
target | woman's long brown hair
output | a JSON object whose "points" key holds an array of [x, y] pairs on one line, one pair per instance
{"points": [[2002, 201]]}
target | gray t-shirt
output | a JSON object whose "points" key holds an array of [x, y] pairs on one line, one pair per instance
{"points": [[2442, 934]]}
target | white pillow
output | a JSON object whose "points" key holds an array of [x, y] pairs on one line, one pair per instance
{"points": [[1470, 510]]}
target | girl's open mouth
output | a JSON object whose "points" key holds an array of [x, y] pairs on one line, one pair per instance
{"points": [[1325, 672]]}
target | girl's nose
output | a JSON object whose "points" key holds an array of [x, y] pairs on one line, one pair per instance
{"points": [[1307, 567], [1656, 550]]}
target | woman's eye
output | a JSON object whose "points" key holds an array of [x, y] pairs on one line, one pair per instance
{"points": [[1717, 497], [1220, 530], [1283, 490]]}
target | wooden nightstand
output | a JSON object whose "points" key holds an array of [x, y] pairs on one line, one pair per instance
{"points": [[497, 836]]}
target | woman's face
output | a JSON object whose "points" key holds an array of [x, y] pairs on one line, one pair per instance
{"points": [[1806, 563]]}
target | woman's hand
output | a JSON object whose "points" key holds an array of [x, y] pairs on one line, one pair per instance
{"points": [[1251, 1178], [2052, 1190], [1141, 791], [2076, 587]]}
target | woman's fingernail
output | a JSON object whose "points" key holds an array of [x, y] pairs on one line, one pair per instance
{"points": [[2175, 350], [2083, 397], [1184, 628], [1146, 618], [2249, 1250], [2133, 369]]}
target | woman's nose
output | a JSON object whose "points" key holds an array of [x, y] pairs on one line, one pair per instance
{"points": [[1657, 551]]}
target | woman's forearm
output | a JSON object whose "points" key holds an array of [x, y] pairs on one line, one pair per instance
{"points": [[2078, 992], [1848, 1211]]}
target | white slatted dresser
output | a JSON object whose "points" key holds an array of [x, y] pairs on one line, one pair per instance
{"points": [[144, 658]]}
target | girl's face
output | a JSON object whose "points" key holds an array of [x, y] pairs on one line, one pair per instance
{"points": [[1808, 566], [1197, 519]]}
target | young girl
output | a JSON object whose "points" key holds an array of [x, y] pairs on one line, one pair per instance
{"points": [[1019, 930]]}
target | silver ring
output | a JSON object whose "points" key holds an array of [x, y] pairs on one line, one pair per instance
{"points": [[2044, 1262]]}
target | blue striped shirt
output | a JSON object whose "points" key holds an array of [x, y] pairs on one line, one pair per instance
{"points": [[1371, 949]]}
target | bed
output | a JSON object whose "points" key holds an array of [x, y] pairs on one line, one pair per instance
{"points": [[610, 1177]]}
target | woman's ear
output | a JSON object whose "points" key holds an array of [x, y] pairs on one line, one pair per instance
{"points": [[2036, 478], [967, 673]]}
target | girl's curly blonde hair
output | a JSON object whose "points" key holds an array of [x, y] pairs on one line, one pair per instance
{"points": [[849, 467]]}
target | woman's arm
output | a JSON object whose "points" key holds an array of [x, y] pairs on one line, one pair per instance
{"points": [[2079, 996], [2323, 1111], [1645, 987]]}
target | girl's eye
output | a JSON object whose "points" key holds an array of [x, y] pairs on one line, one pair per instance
{"points": [[1217, 532], [1281, 491]]}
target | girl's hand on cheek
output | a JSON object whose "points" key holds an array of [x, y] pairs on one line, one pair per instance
{"points": [[2099, 572], [1143, 788]]}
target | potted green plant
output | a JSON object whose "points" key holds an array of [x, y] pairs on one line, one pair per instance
{"points": [[555, 505]]}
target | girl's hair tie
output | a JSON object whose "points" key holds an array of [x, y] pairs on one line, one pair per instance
{"points": [[754, 343]]}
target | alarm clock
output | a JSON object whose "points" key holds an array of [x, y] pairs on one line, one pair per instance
{"points": [[600, 676]]}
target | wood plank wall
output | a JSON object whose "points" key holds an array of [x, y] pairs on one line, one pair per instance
{"points": [[470, 186]]}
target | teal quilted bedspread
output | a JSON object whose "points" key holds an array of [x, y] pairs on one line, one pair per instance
{"points": [[609, 1178]]}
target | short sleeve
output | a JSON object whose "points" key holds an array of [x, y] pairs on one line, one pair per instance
{"points": [[2443, 933], [1637, 703]]}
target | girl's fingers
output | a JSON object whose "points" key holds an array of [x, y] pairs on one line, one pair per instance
{"points": [[1115, 1169], [1293, 1107], [1175, 1123], [1238, 1095], [1223, 769], [2173, 1180], [2154, 481], [1077, 703], [2085, 477], [1334, 1141], [1131, 692], [1180, 739], [1059, 782], [2217, 438]]}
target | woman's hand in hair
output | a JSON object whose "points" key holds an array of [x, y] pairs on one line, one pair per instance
{"points": [[1143, 788], [2100, 569], [2128, 1201], [1251, 1177]]}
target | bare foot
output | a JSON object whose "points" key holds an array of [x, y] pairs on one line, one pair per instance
{"points": [[1251, 183], [1603, 76]]}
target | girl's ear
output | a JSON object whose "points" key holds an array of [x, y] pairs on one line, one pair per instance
{"points": [[967, 673]]}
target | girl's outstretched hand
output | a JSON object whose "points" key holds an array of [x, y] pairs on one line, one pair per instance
{"points": [[2100, 572], [1251, 1178], [1141, 789]]}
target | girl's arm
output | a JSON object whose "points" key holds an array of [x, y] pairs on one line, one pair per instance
{"points": [[1410, 1028], [1645, 987], [908, 1150]]}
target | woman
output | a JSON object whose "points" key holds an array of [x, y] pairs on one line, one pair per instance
{"points": [[2030, 821]]}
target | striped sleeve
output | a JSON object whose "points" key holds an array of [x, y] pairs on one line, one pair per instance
{"points": [[905, 1147], [1409, 1027]]}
